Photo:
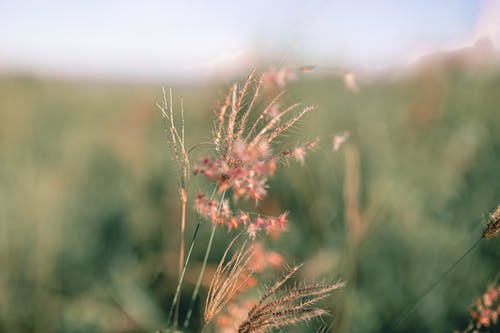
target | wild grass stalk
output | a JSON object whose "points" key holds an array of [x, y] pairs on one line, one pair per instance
{"points": [[178, 144], [289, 306], [242, 162]]}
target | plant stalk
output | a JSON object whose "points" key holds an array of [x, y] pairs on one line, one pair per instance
{"points": [[202, 271], [181, 279], [183, 196]]}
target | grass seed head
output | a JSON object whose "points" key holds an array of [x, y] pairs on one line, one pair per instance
{"points": [[229, 278], [280, 307], [492, 229]]}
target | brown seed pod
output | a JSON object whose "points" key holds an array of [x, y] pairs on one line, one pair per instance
{"points": [[492, 229]]}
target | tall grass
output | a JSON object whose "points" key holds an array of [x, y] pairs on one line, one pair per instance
{"points": [[244, 157]]}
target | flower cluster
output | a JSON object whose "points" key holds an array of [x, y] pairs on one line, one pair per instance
{"points": [[245, 170], [486, 311], [243, 159], [219, 212]]}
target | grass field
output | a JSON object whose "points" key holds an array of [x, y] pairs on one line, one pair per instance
{"points": [[89, 217]]}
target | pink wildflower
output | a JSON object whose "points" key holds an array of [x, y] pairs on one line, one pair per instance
{"points": [[299, 153], [252, 230], [486, 310], [243, 160], [245, 170], [243, 217]]}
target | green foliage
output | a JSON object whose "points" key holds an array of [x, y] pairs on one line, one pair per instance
{"points": [[89, 212]]}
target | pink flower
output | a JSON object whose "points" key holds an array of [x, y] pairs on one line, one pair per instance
{"points": [[299, 153], [225, 210], [252, 230], [245, 171], [233, 223], [244, 218]]}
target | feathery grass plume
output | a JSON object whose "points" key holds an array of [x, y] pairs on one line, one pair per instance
{"points": [[229, 278], [492, 229], [244, 159], [177, 138], [178, 144], [278, 308], [242, 163], [231, 132]]}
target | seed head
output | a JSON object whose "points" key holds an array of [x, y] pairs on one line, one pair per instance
{"points": [[243, 159], [492, 229], [278, 308], [230, 277]]}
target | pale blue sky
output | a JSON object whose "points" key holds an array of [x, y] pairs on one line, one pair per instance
{"points": [[160, 39]]}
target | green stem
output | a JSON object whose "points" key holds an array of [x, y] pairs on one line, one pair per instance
{"points": [[202, 271], [181, 278], [408, 311]]}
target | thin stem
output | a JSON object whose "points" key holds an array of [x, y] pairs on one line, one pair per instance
{"points": [[177, 290], [183, 196], [407, 312], [202, 271], [181, 278], [200, 277]]}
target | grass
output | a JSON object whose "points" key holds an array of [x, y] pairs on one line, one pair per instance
{"points": [[87, 220]]}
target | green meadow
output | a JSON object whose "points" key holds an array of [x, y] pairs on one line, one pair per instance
{"points": [[89, 210]]}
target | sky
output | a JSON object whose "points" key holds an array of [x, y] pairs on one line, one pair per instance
{"points": [[153, 39]]}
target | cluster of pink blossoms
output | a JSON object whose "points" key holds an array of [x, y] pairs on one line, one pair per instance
{"points": [[245, 170], [243, 160], [220, 213], [487, 308], [486, 311]]}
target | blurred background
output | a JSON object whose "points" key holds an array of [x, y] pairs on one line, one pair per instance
{"points": [[89, 216]]}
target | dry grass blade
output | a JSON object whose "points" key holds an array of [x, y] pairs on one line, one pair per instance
{"points": [[293, 305], [228, 280], [176, 139], [178, 144]]}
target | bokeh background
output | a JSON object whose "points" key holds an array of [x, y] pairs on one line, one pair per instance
{"points": [[89, 216]]}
